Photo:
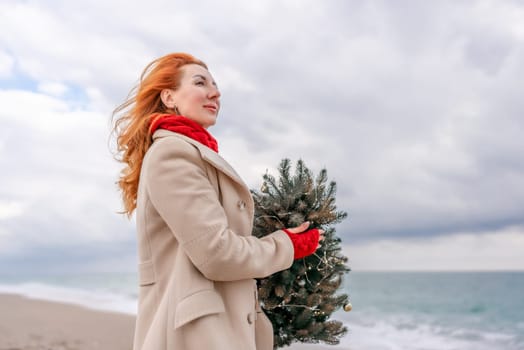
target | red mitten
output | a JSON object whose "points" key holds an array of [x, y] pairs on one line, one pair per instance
{"points": [[305, 243]]}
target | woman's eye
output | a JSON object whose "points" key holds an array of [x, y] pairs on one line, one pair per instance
{"points": [[199, 83]]}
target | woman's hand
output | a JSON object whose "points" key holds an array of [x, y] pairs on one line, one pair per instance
{"points": [[302, 227], [304, 242]]}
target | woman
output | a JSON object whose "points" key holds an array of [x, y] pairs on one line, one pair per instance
{"points": [[194, 216]]}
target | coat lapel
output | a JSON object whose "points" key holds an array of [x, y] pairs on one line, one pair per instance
{"points": [[207, 154]]}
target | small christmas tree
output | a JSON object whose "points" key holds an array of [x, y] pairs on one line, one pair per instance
{"points": [[300, 300]]}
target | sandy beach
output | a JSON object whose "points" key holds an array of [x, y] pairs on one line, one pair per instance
{"points": [[30, 324]]}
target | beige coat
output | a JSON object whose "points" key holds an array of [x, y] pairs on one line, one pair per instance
{"points": [[197, 257]]}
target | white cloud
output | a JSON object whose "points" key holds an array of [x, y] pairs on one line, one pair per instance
{"points": [[9, 209], [232, 79], [415, 111], [476, 251], [52, 114], [6, 64], [58, 176], [53, 88]]}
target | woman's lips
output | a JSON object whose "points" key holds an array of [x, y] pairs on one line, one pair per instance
{"points": [[211, 108]]}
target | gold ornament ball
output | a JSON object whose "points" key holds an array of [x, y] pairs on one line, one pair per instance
{"points": [[348, 307]]}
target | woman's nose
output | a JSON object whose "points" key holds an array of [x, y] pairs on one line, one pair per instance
{"points": [[215, 93]]}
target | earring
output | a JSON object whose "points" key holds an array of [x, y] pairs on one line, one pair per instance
{"points": [[175, 108]]}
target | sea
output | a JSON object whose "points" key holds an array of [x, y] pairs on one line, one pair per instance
{"points": [[391, 310]]}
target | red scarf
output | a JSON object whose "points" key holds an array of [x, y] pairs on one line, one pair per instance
{"points": [[184, 126]]}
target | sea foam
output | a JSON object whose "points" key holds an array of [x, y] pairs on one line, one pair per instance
{"points": [[96, 299]]}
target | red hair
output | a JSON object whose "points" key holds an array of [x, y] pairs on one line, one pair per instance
{"points": [[132, 126]]}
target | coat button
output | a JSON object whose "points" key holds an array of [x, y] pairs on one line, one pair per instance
{"points": [[251, 317], [241, 204]]}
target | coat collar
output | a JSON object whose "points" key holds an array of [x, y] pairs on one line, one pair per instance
{"points": [[207, 154]]}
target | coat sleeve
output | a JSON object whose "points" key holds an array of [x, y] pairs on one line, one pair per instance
{"points": [[184, 197]]}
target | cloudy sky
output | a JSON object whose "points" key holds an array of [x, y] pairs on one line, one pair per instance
{"points": [[414, 108]]}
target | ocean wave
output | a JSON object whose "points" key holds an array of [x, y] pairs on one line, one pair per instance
{"points": [[408, 320], [97, 299], [405, 333]]}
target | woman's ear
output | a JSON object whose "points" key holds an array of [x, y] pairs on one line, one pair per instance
{"points": [[166, 96]]}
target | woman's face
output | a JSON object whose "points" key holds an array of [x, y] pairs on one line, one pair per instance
{"points": [[197, 96]]}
